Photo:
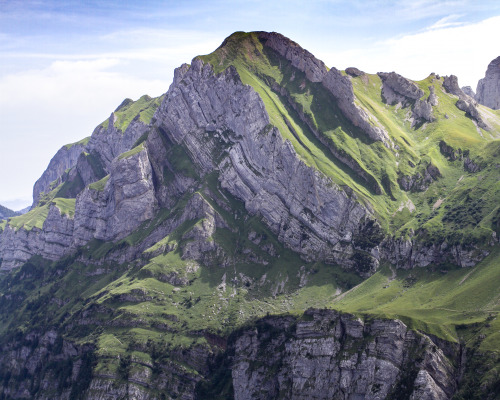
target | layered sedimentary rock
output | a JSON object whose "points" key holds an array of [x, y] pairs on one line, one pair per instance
{"points": [[339, 85], [307, 211], [327, 355]]}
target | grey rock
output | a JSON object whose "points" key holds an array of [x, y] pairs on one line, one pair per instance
{"points": [[319, 358], [450, 83], [127, 200], [52, 242], [488, 88], [300, 58], [110, 142], [307, 211], [64, 159], [432, 99], [422, 110], [354, 72], [472, 112], [468, 91], [396, 88], [340, 87], [465, 103]]}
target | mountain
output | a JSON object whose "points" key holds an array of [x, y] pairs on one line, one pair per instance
{"points": [[6, 212], [488, 88], [268, 228]]}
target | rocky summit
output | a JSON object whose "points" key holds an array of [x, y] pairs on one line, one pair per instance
{"points": [[268, 228]]}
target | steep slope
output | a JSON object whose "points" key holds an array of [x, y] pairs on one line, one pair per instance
{"points": [[263, 183]]}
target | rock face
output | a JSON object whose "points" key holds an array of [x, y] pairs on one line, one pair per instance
{"points": [[465, 103], [341, 88], [339, 85], [468, 91], [108, 211], [113, 211], [399, 90], [64, 159], [52, 241], [201, 111], [488, 88], [301, 59], [327, 356]]}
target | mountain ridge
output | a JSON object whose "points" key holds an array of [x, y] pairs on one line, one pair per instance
{"points": [[261, 182]]}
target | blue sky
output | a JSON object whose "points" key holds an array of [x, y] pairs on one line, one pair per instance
{"points": [[65, 65]]}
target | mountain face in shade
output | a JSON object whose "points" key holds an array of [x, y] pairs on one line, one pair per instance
{"points": [[268, 228]]}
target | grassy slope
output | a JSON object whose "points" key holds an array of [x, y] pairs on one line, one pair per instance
{"points": [[435, 301], [145, 107], [473, 195]]}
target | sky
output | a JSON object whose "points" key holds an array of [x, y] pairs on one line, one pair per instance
{"points": [[66, 65]]}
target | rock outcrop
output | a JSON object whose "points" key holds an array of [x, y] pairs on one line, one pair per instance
{"points": [[300, 58], [339, 85], [465, 103], [327, 355], [468, 91], [63, 160], [488, 88], [399, 90], [354, 72]]}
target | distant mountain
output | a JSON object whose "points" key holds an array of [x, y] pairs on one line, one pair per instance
{"points": [[268, 228], [7, 212]]}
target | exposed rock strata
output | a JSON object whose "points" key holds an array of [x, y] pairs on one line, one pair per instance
{"points": [[108, 213], [488, 88], [396, 88], [307, 211], [339, 85], [327, 355]]}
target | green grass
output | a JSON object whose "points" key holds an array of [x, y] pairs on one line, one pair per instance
{"points": [[132, 152], [82, 142], [100, 184], [434, 301], [376, 166], [144, 109], [66, 206], [32, 219]]}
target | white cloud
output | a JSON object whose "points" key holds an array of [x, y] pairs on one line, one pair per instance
{"points": [[464, 51], [41, 109]]}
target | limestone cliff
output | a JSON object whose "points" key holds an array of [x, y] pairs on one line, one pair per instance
{"points": [[488, 88]]}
